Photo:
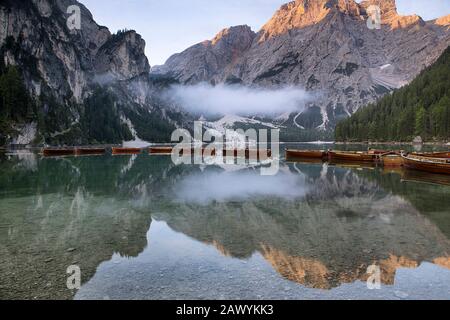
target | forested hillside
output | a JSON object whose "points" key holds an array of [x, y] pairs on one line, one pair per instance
{"points": [[99, 123], [421, 108], [16, 106]]}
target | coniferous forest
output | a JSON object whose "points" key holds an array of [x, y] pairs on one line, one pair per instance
{"points": [[421, 108]]}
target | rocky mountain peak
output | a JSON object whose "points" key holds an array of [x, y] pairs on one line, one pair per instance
{"points": [[303, 13], [389, 14], [205, 61], [122, 57], [388, 7], [241, 34], [443, 21], [295, 14]]}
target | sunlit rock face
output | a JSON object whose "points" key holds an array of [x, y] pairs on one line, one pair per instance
{"points": [[327, 47], [208, 60]]}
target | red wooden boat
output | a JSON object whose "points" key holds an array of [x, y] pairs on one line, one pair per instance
{"points": [[432, 165], [441, 155], [89, 151], [392, 160], [379, 152], [126, 150], [52, 152], [160, 150], [357, 156]]}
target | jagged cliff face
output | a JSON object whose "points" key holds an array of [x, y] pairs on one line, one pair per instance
{"points": [[122, 57], [64, 58], [68, 63], [327, 47], [210, 60]]}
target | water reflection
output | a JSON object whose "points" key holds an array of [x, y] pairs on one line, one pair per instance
{"points": [[221, 186], [344, 223], [311, 226]]}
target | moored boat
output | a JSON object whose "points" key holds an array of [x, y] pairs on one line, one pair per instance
{"points": [[311, 154], [379, 152], [392, 160], [440, 155], [126, 151], [357, 156], [89, 151], [160, 150], [53, 152], [432, 165]]}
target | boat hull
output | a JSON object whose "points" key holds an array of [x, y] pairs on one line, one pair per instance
{"points": [[118, 151], [90, 151], [58, 152], [310, 154], [431, 165], [352, 156], [379, 152], [440, 155], [160, 150], [392, 161]]}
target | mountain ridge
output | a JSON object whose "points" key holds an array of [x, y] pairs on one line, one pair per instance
{"points": [[325, 46]]}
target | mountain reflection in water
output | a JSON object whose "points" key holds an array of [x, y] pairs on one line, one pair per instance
{"points": [[307, 232]]}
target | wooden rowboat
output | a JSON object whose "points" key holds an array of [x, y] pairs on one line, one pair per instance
{"points": [[160, 150], [441, 155], [126, 150], [392, 160], [357, 156], [311, 154], [432, 165], [89, 151], [50, 152], [374, 151]]}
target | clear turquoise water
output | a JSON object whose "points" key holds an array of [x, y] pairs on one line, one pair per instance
{"points": [[140, 227]]}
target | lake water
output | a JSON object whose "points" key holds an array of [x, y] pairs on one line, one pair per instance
{"points": [[140, 227]]}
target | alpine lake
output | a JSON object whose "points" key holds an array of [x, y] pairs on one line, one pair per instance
{"points": [[141, 227]]}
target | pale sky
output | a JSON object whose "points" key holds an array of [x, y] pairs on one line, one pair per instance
{"points": [[170, 26]]}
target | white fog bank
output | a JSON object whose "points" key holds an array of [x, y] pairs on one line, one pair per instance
{"points": [[238, 100]]}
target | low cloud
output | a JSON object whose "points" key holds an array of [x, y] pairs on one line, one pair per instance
{"points": [[238, 100]]}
